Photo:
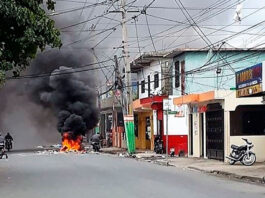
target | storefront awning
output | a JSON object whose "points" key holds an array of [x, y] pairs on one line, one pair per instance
{"points": [[137, 106], [152, 100], [194, 98]]}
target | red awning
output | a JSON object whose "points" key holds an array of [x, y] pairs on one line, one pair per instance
{"points": [[152, 100]]}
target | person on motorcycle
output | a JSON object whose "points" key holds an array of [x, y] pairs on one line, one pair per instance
{"points": [[2, 141], [96, 138], [8, 137], [95, 141]]}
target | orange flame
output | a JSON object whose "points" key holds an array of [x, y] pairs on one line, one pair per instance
{"points": [[71, 144]]}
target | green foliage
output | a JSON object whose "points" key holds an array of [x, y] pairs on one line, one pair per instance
{"points": [[24, 28], [2, 77]]}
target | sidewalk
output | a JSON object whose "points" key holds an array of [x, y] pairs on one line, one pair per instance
{"points": [[112, 150], [255, 173]]}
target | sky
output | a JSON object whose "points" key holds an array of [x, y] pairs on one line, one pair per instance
{"points": [[92, 26]]}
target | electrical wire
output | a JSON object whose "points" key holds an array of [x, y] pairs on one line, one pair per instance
{"points": [[76, 9]]}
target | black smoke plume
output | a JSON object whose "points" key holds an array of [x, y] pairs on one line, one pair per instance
{"points": [[71, 98]]}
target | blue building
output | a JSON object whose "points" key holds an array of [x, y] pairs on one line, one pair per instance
{"points": [[196, 70]]}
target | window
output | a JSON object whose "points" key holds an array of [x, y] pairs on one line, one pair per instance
{"points": [[149, 88], [156, 80], [177, 74], [142, 86], [183, 90], [247, 120]]}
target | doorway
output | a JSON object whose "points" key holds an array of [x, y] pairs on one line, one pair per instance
{"points": [[148, 133], [215, 134]]}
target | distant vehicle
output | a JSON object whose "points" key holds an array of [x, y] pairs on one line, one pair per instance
{"points": [[2, 142], [3, 153], [96, 146], [2, 145], [95, 142], [8, 144], [242, 154]]}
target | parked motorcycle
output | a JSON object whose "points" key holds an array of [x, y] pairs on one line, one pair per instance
{"points": [[242, 154], [158, 145], [8, 144], [96, 146]]}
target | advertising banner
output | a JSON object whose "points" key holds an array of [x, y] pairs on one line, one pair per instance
{"points": [[250, 81]]}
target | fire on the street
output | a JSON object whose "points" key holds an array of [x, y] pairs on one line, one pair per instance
{"points": [[70, 143]]}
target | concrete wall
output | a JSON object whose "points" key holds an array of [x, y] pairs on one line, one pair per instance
{"points": [[196, 135], [229, 103]]}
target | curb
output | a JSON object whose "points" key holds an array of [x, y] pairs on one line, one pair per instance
{"points": [[231, 175], [258, 180]]}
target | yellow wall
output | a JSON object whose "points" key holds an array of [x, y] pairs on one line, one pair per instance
{"points": [[140, 141]]}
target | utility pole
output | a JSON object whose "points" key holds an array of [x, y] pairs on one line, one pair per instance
{"points": [[128, 85], [119, 84], [128, 88]]}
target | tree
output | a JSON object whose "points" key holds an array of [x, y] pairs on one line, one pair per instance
{"points": [[24, 28]]}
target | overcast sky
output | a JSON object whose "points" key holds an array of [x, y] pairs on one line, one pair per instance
{"points": [[168, 26]]}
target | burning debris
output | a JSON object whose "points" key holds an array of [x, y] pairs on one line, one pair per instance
{"points": [[74, 102], [71, 143]]}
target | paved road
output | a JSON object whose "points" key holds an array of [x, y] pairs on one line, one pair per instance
{"points": [[30, 175]]}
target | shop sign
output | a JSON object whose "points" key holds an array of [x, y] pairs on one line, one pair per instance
{"points": [[249, 80], [168, 104], [179, 111], [199, 109]]}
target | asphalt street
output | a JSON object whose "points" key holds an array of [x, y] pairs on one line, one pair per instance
{"points": [[32, 175]]}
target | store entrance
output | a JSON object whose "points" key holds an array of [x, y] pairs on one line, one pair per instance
{"points": [[215, 132]]}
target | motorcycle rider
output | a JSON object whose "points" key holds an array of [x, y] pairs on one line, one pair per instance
{"points": [[8, 137], [2, 141], [95, 139]]}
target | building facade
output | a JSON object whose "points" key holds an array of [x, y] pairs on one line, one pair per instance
{"points": [[154, 86], [218, 119], [111, 122]]}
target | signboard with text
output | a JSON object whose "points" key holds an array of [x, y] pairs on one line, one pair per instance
{"points": [[250, 81]]}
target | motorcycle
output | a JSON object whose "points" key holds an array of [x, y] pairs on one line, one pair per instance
{"points": [[158, 145], [242, 154], [8, 145], [2, 145], [96, 146]]}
